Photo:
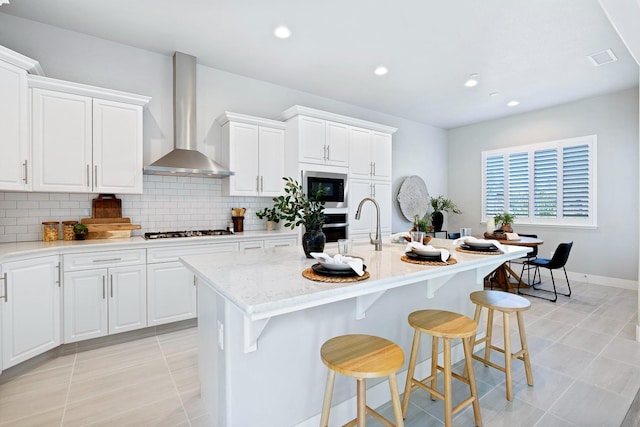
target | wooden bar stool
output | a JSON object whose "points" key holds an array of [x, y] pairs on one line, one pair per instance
{"points": [[506, 303], [361, 357], [447, 326]]}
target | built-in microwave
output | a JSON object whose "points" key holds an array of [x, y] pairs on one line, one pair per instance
{"points": [[333, 185]]}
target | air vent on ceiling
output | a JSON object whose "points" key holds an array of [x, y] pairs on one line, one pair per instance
{"points": [[601, 58]]}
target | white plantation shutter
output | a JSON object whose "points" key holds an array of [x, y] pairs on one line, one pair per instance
{"points": [[551, 183], [494, 185], [519, 184]]}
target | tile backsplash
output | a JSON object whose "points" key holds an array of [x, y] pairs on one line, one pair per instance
{"points": [[168, 203]]}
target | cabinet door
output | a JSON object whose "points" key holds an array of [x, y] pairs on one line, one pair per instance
{"points": [[358, 190], [382, 194], [381, 151], [360, 164], [117, 147], [243, 159], [271, 161], [14, 131], [61, 141], [337, 144], [85, 305], [171, 293], [31, 309], [312, 140], [127, 298]]}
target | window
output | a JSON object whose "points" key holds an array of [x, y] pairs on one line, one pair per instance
{"points": [[551, 183]]}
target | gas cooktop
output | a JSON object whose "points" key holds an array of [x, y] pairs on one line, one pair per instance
{"points": [[193, 233]]}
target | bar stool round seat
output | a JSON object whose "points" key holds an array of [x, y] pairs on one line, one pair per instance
{"points": [[444, 325], [506, 303], [361, 357]]}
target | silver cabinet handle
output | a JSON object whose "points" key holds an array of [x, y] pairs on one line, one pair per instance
{"points": [[374, 168], [6, 291], [328, 152], [195, 283], [26, 173], [88, 173], [371, 168], [111, 280], [261, 183], [95, 177], [107, 260], [374, 190], [59, 280], [257, 183], [104, 287]]}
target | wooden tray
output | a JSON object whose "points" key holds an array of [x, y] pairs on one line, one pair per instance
{"points": [[106, 206]]}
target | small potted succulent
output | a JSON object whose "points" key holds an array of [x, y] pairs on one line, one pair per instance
{"points": [[80, 231], [272, 215]]}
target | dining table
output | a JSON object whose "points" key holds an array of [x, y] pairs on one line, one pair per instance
{"points": [[502, 275]]}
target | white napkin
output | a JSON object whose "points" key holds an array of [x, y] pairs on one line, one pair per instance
{"points": [[473, 239], [355, 263], [444, 254], [399, 237]]}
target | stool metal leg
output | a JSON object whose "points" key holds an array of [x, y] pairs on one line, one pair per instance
{"points": [[525, 349], [410, 372], [328, 393], [468, 351], [507, 355], [448, 395]]}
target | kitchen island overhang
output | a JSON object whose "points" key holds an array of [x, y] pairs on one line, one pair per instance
{"points": [[261, 324]]}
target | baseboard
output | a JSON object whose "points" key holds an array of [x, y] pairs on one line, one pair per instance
{"points": [[591, 279]]}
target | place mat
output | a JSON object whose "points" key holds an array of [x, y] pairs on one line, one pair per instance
{"points": [[312, 275], [467, 251], [450, 261]]}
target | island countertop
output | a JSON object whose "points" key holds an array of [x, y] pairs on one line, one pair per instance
{"points": [[265, 283]]}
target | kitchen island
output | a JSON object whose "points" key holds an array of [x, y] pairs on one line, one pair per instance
{"points": [[261, 325]]}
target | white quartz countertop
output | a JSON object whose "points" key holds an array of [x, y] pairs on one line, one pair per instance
{"points": [[40, 248], [269, 282]]}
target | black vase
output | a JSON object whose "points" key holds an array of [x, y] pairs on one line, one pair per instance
{"points": [[437, 219], [313, 240]]}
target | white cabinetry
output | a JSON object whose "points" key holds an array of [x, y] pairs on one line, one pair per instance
{"points": [[30, 308], [253, 148], [83, 142], [171, 287], [104, 293], [15, 161], [381, 192], [370, 154], [319, 141]]}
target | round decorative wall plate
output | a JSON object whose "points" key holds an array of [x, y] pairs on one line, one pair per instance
{"points": [[413, 197]]}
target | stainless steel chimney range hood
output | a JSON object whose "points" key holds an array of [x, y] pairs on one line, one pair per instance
{"points": [[185, 159]]}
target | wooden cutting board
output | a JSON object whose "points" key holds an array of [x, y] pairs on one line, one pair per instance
{"points": [[106, 206]]}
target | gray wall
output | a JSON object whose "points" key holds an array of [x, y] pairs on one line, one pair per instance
{"points": [[418, 149], [611, 250]]}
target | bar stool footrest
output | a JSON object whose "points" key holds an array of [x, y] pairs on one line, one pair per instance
{"points": [[375, 415], [488, 362], [468, 401]]}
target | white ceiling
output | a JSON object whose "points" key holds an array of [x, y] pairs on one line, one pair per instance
{"points": [[532, 51]]}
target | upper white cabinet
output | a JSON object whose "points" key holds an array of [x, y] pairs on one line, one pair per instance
{"points": [[14, 111], [370, 154], [30, 308], [254, 149], [85, 139], [320, 141]]}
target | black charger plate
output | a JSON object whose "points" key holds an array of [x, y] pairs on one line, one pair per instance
{"points": [[320, 269]]}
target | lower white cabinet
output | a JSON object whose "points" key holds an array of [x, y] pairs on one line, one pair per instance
{"points": [[105, 300], [30, 308], [171, 287]]}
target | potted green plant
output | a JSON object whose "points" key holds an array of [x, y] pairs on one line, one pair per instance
{"points": [[272, 215], [504, 220], [80, 231], [441, 204], [297, 208]]}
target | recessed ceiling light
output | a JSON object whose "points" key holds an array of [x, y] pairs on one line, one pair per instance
{"points": [[282, 32], [472, 81], [380, 71], [513, 103], [601, 58]]}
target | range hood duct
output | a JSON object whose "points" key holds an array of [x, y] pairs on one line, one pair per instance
{"points": [[185, 159]]}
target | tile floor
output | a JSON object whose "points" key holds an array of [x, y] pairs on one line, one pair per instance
{"points": [[586, 367]]}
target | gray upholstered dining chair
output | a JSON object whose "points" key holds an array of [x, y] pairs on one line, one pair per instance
{"points": [[557, 261]]}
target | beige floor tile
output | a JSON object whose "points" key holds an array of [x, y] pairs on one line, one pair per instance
{"points": [[192, 403], [565, 359], [586, 339], [547, 329], [179, 344], [603, 325], [184, 370], [203, 421], [52, 417], [163, 413], [629, 331], [548, 386], [624, 350], [619, 310], [552, 421], [515, 413], [587, 405], [567, 315]]}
